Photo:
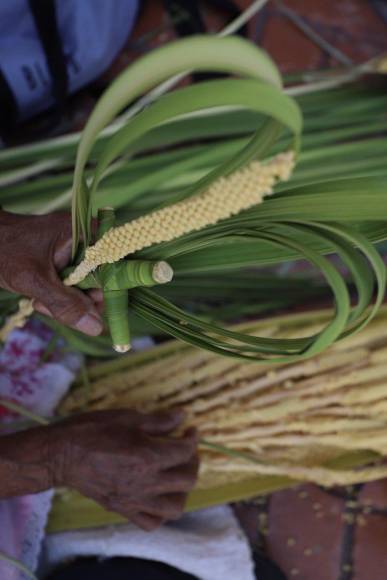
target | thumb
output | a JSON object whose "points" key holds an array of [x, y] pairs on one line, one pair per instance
{"points": [[67, 305], [162, 423]]}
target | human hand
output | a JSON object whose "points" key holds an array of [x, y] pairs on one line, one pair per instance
{"points": [[34, 250], [128, 462]]}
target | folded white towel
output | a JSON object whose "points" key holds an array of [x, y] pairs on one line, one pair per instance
{"points": [[208, 544]]}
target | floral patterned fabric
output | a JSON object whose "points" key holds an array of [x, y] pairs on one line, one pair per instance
{"points": [[32, 377]]}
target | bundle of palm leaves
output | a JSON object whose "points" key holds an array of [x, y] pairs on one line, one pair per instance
{"points": [[261, 428], [199, 207]]}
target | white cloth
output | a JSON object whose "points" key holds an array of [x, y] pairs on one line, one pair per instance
{"points": [[208, 544]]}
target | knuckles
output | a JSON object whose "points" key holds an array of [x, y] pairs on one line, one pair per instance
{"points": [[111, 456]]}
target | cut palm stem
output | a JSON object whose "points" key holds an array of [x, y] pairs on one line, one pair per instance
{"points": [[116, 301]]}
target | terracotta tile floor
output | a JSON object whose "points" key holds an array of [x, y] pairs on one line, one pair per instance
{"points": [[317, 534]]}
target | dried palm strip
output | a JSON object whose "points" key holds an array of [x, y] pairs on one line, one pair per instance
{"points": [[331, 383], [121, 382], [222, 419], [337, 411], [378, 408], [194, 366], [335, 384], [178, 383], [379, 356], [275, 391], [268, 380], [321, 384], [372, 334], [317, 427], [290, 417], [320, 475], [375, 440], [296, 407]]}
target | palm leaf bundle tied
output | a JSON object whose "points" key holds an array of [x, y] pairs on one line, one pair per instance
{"points": [[203, 210]]}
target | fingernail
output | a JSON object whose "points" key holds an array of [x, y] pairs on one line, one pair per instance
{"points": [[89, 324]]}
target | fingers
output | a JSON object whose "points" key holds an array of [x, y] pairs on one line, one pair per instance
{"points": [[148, 513], [68, 306], [162, 423], [146, 522], [173, 452], [60, 228], [39, 307], [128, 418], [96, 296], [166, 507], [155, 424], [179, 479], [48, 249], [62, 253]]}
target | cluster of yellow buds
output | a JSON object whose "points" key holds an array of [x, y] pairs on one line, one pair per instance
{"points": [[226, 197], [18, 319]]}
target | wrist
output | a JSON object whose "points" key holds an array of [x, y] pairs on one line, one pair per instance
{"points": [[26, 464]]}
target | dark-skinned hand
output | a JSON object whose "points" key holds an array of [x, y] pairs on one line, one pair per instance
{"points": [[34, 250], [127, 461]]}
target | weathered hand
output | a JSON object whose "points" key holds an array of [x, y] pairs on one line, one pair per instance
{"points": [[34, 249], [128, 462]]}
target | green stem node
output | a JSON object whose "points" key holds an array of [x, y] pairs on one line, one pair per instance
{"points": [[129, 274], [116, 301], [116, 309]]}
